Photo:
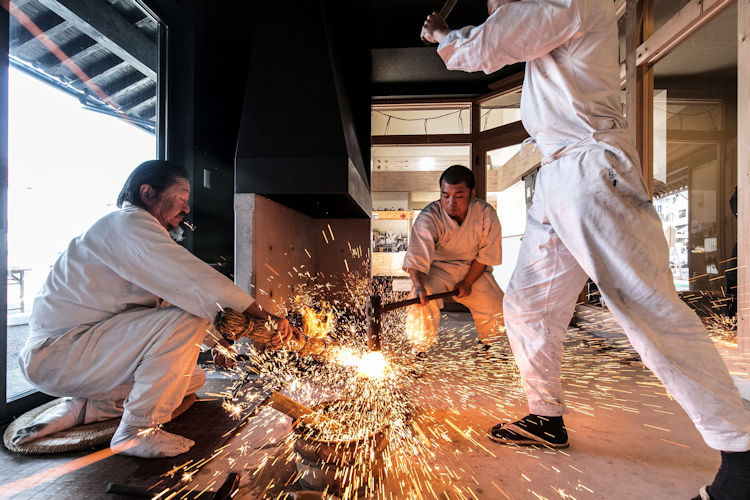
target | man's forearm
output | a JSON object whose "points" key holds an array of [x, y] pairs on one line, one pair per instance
{"points": [[417, 278], [475, 271]]}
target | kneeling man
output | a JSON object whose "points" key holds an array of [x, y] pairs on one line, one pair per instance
{"points": [[452, 245]]}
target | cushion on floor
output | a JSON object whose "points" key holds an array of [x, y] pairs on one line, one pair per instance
{"points": [[79, 437]]}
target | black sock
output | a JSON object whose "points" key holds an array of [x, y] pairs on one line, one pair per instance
{"points": [[732, 482]]}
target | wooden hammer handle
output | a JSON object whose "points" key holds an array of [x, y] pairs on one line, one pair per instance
{"points": [[408, 302], [447, 8], [298, 411]]}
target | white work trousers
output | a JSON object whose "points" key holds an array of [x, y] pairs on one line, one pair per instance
{"points": [[485, 303], [140, 363], [591, 215]]}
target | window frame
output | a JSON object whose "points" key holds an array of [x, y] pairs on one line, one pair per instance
{"points": [[644, 49], [18, 405]]}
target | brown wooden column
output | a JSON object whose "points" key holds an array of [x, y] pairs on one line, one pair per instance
{"points": [[743, 176], [639, 85], [478, 154]]}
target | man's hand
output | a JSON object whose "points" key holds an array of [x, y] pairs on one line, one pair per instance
{"points": [[464, 288], [285, 333], [434, 28], [421, 294], [222, 357], [417, 285]]}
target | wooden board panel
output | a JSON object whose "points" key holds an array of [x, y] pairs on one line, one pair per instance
{"points": [[284, 245], [519, 166], [441, 139], [743, 176], [392, 214], [280, 249], [344, 253], [406, 181]]}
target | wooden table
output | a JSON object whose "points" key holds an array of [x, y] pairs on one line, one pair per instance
{"points": [[16, 277]]}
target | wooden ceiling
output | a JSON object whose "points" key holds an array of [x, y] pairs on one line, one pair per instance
{"points": [[102, 51]]}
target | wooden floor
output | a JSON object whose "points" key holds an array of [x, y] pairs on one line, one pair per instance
{"points": [[628, 438], [89, 473]]}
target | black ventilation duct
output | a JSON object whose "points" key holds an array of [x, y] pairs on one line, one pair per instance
{"points": [[297, 143]]}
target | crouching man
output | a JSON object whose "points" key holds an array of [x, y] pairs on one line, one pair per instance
{"points": [[118, 323], [452, 245]]}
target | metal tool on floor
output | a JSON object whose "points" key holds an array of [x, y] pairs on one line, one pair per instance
{"points": [[286, 405], [225, 492], [375, 312]]}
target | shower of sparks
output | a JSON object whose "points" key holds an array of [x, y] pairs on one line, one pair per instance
{"points": [[397, 436], [372, 365]]}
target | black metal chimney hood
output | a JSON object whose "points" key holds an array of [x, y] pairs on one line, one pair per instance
{"points": [[297, 143]]}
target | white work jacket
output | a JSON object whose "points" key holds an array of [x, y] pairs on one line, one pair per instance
{"points": [[126, 260], [437, 240], [571, 85]]}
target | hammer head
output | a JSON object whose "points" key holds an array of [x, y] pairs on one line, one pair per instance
{"points": [[373, 322]]}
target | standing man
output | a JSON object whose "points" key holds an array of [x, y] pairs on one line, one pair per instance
{"points": [[592, 215], [118, 323], [452, 245]]}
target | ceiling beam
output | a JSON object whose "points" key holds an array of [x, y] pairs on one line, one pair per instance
{"points": [[101, 22], [50, 23], [101, 69], [146, 105], [687, 21], [428, 139], [76, 48], [519, 166], [20, 3], [500, 137], [138, 96], [121, 90]]}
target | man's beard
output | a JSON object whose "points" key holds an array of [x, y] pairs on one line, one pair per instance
{"points": [[176, 233]]}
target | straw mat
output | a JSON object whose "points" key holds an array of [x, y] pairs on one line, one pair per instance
{"points": [[79, 437]]}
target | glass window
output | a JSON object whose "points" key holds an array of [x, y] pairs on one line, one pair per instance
{"points": [[418, 158], [507, 192], [421, 119], [500, 110], [695, 163], [82, 115], [404, 181]]}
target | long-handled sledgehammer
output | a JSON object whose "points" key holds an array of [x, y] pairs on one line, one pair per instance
{"points": [[375, 311]]}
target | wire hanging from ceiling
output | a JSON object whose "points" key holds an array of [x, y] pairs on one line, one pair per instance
{"points": [[422, 119], [425, 119]]}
